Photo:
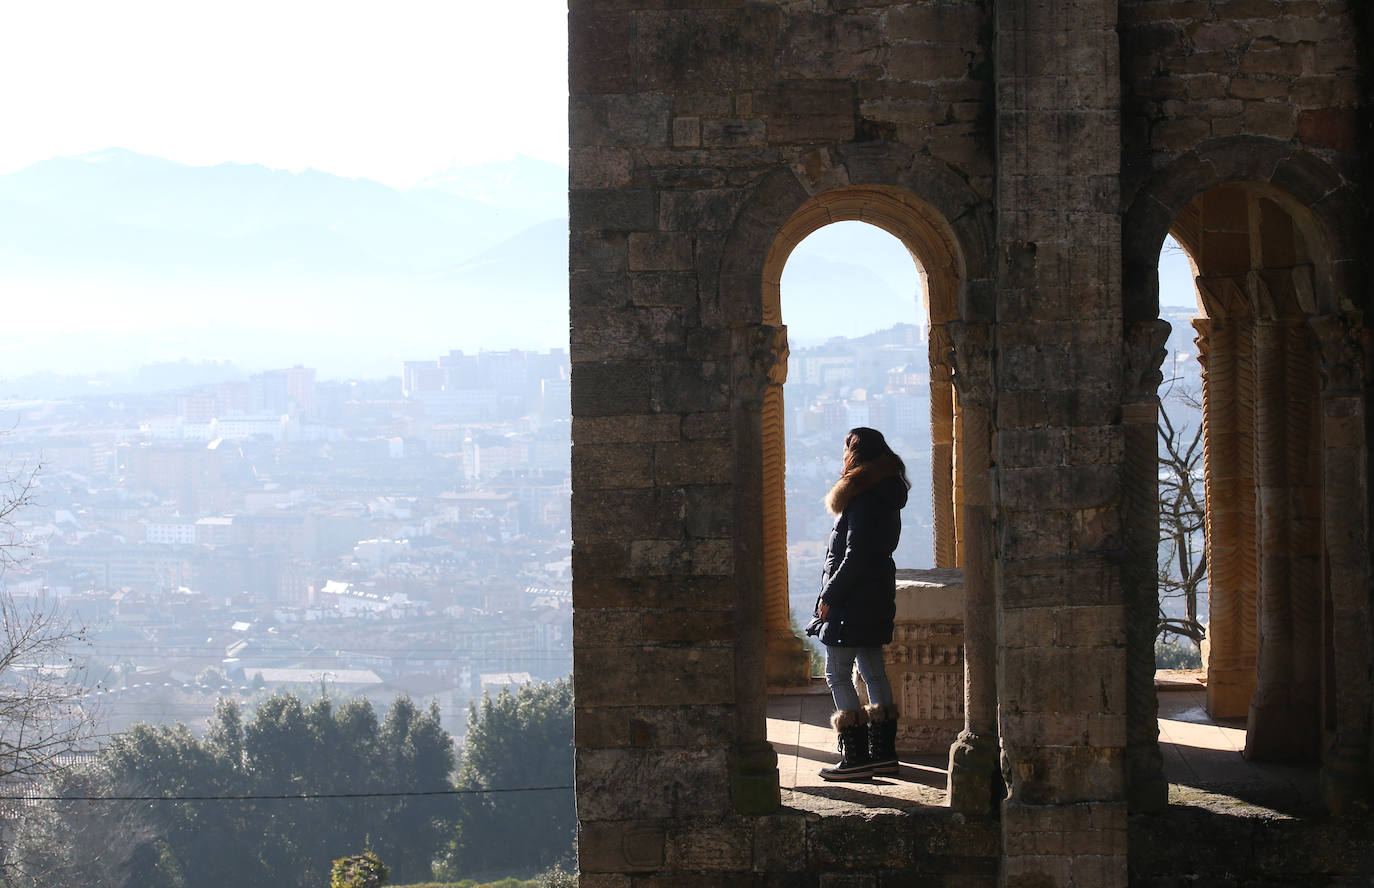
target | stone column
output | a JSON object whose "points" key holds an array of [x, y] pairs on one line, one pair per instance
{"points": [[1059, 447], [753, 764], [1284, 720], [975, 784], [1348, 761], [788, 664], [942, 448], [1228, 427], [1146, 787]]}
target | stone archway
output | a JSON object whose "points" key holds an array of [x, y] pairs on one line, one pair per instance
{"points": [[916, 225], [949, 232], [1289, 615]]}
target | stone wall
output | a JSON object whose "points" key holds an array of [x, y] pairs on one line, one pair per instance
{"points": [[1032, 154]]}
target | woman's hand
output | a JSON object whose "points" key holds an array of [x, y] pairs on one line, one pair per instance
{"points": [[823, 611]]}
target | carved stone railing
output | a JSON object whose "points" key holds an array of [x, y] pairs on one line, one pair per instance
{"points": [[925, 662]]}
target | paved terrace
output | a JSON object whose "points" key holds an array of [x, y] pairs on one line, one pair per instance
{"points": [[1202, 762]]}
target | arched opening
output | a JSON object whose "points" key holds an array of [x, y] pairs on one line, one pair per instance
{"points": [[853, 302], [1269, 639]]}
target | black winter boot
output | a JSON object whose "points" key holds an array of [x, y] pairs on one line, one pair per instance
{"points": [[882, 738], [852, 732]]}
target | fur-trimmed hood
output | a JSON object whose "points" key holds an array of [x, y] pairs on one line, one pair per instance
{"points": [[865, 477]]}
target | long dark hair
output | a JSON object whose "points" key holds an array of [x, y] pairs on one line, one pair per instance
{"points": [[863, 445]]}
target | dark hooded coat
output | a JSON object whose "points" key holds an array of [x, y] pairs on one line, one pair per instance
{"points": [[859, 581]]}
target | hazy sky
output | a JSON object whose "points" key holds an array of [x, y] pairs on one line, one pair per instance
{"points": [[387, 91]]}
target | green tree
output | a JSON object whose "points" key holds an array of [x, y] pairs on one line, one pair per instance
{"points": [[520, 741], [359, 871], [219, 838]]}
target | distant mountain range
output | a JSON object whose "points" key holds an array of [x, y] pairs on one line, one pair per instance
{"points": [[127, 260]]}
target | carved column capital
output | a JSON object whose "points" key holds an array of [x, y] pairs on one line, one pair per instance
{"points": [[760, 361], [1144, 354], [1346, 348], [971, 358]]}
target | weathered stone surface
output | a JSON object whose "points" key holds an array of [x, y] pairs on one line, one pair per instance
{"points": [[1037, 162]]}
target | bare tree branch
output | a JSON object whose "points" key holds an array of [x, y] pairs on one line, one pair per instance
{"points": [[1182, 519]]}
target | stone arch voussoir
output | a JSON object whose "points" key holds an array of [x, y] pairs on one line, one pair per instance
{"points": [[1320, 199]]}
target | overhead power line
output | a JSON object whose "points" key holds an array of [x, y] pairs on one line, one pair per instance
{"points": [[289, 797]]}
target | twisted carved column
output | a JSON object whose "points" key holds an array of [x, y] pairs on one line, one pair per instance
{"points": [[1146, 787], [942, 449], [1224, 350], [788, 664], [975, 784], [1348, 762]]}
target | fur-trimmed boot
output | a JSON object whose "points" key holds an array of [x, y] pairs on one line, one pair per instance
{"points": [[852, 730], [882, 738]]}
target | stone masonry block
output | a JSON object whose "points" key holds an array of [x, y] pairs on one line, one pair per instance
{"points": [[600, 560], [709, 846], [688, 557], [613, 209], [779, 843], [617, 334], [599, 289], [927, 62], [618, 847], [626, 429], [833, 47], [1037, 534], [609, 388], [810, 130], [652, 726], [597, 252], [656, 676], [598, 52], [699, 210], [686, 132], [1036, 488], [669, 783], [854, 842], [605, 592], [607, 628], [668, 288], [639, 120], [954, 22], [613, 465], [1100, 626], [689, 627], [1034, 447], [1067, 774], [690, 386], [685, 50], [655, 251], [706, 426], [733, 132], [693, 462], [598, 167], [1031, 627]]}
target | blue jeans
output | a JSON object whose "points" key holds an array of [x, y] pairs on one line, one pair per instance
{"points": [[839, 675]]}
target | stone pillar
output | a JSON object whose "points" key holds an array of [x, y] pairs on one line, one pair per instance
{"points": [[758, 349], [1348, 762], [975, 784], [1146, 787], [1229, 491], [788, 664], [1284, 717], [1059, 448], [942, 449]]}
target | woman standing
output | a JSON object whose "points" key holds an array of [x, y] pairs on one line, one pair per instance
{"points": [[858, 599]]}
